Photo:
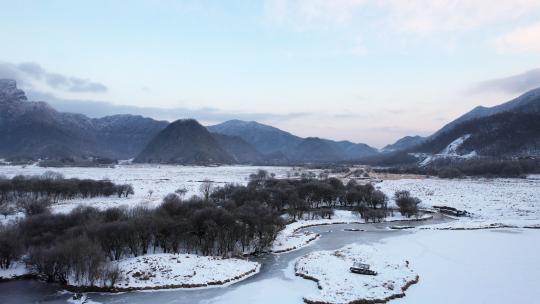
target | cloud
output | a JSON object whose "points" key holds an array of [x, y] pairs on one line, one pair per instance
{"points": [[306, 15], [515, 84], [417, 16], [29, 72], [93, 108], [524, 39], [426, 16]]}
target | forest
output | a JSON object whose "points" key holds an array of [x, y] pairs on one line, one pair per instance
{"points": [[227, 221]]}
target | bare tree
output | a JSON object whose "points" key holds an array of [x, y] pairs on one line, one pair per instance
{"points": [[206, 188], [181, 192]]}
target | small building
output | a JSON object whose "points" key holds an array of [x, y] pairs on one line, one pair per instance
{"points": [[361, 268]]}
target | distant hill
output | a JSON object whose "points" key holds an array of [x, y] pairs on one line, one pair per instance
{"points": [[269, 140], [505, 134], [316, 150], [404, 143], [186, 142], [32, 130], [511, 129], [528, 102], [240, 150], [266, 139]]}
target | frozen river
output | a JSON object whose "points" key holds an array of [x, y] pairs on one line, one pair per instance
{"points": [[477, 266]]}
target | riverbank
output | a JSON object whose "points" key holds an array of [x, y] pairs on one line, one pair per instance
{"points": [[17, 271], [292, 238], [174, 271], [337, 284], [158, 271]]}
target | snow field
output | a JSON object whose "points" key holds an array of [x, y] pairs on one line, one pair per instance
{"points": [[151, 183], [493, 202]]}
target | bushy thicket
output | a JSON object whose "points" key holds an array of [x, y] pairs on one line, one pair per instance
{"points": [[54, 186], [408, 205], [310, 197], [81, 244]]}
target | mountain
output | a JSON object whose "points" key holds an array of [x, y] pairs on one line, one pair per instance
{"points": [[404, 143], [186, 142], [505, 134], [31, 130], [271, 141], [241, 151], [316, 150], [528, 102], [266, 139], [511, 129], [127, 134]]}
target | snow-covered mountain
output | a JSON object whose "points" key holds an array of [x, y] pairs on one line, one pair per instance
{"points": [[30, 129], [511, 129]]}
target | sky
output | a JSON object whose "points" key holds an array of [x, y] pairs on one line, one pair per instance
{"points": [[368, 71]]}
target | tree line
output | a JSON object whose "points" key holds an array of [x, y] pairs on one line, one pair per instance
{"points": [[314, 198], [33, 194], [82, 243], [484, 167]]}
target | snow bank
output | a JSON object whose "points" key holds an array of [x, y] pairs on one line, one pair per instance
{"points": [[493, 202], [337, 284], [81, 299], [291, 238], [161, 271], [17, 269]]}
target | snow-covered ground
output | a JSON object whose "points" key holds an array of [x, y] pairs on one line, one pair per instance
{"points": [[16, 270], [165, 271], [510, 202], [159, 179], [292, 237], [338, 284], [494, 266]]}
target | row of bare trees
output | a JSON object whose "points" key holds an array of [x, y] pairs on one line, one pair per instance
{"points": [[55, 187], [34, 194], [79, 246]]}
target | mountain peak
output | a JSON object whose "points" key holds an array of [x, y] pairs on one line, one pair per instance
{"points": [[10, 92]]}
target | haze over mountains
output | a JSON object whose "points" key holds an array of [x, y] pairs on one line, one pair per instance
{"points": [[34, 130]]}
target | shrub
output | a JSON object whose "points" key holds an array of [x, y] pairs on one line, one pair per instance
{"points": [[408, 205], [10, 247]]}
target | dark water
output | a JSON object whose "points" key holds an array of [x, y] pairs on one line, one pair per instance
{"points": [[275, 283]]}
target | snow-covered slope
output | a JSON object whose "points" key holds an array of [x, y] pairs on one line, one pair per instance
{"points": [[449, 152]]}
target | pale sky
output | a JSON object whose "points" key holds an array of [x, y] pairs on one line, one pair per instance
{"points": [[363, 70]]}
